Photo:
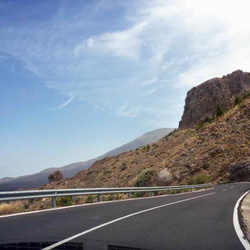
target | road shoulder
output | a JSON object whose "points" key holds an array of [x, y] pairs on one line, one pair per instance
{"points": [[245, 216]]}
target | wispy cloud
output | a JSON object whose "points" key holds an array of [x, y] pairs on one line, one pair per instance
{"points": [[124, 111], [150, 91], [149, 82], [120, 44], [63, 105], [3, 58], [171, 45]]}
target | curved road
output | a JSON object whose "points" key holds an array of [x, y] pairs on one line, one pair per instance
{"points": [[199, 220]]}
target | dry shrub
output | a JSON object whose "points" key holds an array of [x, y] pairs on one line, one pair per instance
{"points": [[11, 208]]}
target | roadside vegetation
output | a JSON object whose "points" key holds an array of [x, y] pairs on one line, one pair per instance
{"points": [[199, 179], [11, 208], [145, 178], [64, 201]]}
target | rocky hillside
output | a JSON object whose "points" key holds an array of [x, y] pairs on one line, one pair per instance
{"points": [[216, 150], [41, 178], [203, 100]]}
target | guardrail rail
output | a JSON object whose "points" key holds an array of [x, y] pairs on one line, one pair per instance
{"points": [[54, 193]]}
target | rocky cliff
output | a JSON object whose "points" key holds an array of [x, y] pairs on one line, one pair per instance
{"points": [[202, 101]]}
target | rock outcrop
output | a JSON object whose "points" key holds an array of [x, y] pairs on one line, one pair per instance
{"points": [[56, 176], [202, 101]]}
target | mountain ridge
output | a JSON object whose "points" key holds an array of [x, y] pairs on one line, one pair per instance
{"points": [[41, 178], [214, 149]]}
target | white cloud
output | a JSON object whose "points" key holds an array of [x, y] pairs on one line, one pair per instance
{"points": [[121, 44], [161, 44], [63, 105], [150, 91], [149, 82], [3, 58], [124, 111]]}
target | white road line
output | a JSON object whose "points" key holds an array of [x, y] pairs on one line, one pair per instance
{"points": [[237, 228], [119, 219], [232, 186], [99, 203], [224, 190]]}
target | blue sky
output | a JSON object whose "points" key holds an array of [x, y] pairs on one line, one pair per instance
{"points": [[79, 78]]}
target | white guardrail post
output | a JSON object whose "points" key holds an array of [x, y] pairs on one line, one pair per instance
{"points": [[54, 200]]}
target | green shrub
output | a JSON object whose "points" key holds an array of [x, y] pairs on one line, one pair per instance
{"points": [[138, 194], [200, 125], [145, 178], [171, 133], [90, 172], [123, 167], [89, 199], [107, 172], [174, 191], [110, 197], [65, 201], [246, 95], [203, 123], [166, 137], [205, 166], [237, 100], [199, 179], [219, 111], [209, 119]]}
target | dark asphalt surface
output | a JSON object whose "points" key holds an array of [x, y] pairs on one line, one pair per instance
{"points": [[202, 223]]}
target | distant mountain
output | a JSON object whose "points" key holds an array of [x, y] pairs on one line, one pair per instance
{"points": [[41, 178], [212, 150], [5, 179], [143, 140]]}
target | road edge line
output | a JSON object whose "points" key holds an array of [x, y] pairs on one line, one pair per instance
{"points": [[119, 219], [99, 203], [236, 223]]}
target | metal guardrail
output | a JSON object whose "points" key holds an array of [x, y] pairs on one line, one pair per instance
{"points": [[54, 193]]}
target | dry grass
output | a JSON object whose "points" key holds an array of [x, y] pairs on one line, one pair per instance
{"points": [[15, 207]]}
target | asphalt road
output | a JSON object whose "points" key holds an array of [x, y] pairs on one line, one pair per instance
{"points": [[199, 220]]}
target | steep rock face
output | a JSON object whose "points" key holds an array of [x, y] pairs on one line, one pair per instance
{"points": [[202, 101]]}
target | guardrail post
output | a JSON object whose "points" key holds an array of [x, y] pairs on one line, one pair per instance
{"points": [[24, 195], [53, 201]]}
